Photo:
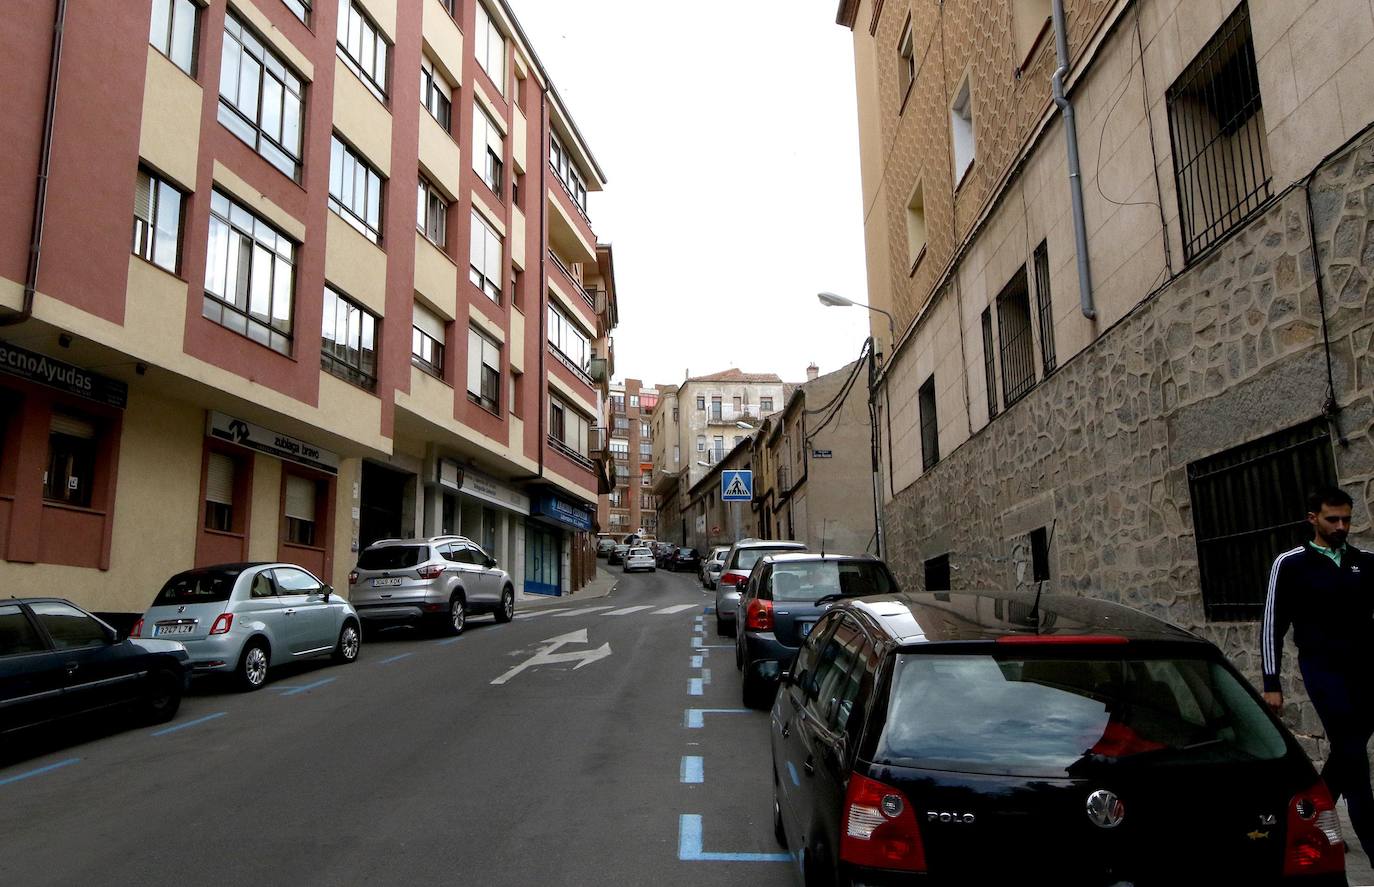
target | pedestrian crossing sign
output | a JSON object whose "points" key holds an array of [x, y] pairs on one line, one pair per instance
{"points": [[736, 486]]}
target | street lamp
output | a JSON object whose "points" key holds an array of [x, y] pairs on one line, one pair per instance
{"points": [[833, 300]]}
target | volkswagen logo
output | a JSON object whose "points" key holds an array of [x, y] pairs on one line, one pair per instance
{"points": [[181, 609], [1105, 809]]}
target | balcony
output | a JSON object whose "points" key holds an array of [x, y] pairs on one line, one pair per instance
{"points": [[718, 415], [572, 280], [598, 443]]}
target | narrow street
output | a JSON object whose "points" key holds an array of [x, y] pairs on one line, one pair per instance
{"points": [[412, 766]]}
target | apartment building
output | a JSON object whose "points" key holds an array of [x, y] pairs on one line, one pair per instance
{"points": [[244, 331], [1130, 400], [630, 507], [699, 421]]}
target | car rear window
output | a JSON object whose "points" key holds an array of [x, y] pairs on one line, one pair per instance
{"points": [[745, 558], [1062, 717], [393, 557], [687, 552], [198, 587], [811, 580]]}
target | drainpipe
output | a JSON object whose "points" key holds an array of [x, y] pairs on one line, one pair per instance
{"points": [[40, 203], [1080, 230], [543, 270]]}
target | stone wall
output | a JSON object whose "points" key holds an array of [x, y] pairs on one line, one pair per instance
{"points": [[1227, 352]]}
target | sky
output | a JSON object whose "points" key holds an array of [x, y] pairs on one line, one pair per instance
{"points": [[729, 139]]}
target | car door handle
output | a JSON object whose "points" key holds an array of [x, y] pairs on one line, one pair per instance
{"points": [[786, 730], [72, 667], [290, 611], [808, 766]]}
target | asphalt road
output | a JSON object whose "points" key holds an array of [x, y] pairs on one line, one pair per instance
{"points": [[412, 766]]}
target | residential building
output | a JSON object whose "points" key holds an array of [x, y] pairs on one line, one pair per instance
{"points": [[247, 332], [629, 507], [1138, 412], [710, 521]]}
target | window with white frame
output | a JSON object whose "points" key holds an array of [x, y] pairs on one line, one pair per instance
{"points": [[427, 336], [363, 47], [431, 213], [488, 149], [436, 93], [566, 170], [569, 339], [485, 258], [249, 275], [173, 32], [620, 448], [484, 371], [355, 190], [157, 220], [348, 347], [489, 45], [567, 426], [261, 99], [961, 130]]}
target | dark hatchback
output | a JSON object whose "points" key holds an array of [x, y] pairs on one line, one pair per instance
{"points": [[683, 559], [965, 738], [57, 660]]}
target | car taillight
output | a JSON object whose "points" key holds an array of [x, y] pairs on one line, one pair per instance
{"points": [[352, 577], [1314, 843], [223, 623], [137, 630], [430, 571], [879, 828], [759, 615], [733, 577]]}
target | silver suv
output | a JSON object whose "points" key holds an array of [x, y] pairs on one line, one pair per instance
{"points": [[438, 581]]}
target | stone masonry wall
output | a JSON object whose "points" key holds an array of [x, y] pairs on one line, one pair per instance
{"points": [[1230, 351]]}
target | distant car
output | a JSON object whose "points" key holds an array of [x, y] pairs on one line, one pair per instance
{"points": [[438, 581], [713, 565], [997, 738], [785, 594], [640, 558], [58, 661], [683, 559], [739, 561], [617, 555], [663, 553], [604, 546], [242, 619]]}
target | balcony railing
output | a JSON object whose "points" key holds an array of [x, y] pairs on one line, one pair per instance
{"points": [[573, 279], [729, 415], [571, 453], [597, 442]]}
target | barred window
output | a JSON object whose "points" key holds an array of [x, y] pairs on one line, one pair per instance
{"points": [[930, 425], [348, 346], [157, 220], [488, 149], [355, 190], [436, 93], [1014, 330], [484, 258], [173, 32], [362, 47], [261, 99], [989, 364], [431, 209], [1045, 306], [249, 275], [484, 371]]}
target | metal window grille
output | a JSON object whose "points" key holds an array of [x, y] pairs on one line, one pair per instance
{"points": [[1014, 328], [930, 426], [1044, 307], [1216, 128], [989, 363], [1249, 504]]}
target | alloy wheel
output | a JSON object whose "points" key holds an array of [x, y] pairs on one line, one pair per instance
{"points": [[348, 643], [255, 666]]}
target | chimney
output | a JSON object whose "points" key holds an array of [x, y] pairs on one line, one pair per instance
{"points": [[812, 372]]}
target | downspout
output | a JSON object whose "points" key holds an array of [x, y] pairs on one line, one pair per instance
{"points": [[40, 203], [1080, 230], [543, 271]]}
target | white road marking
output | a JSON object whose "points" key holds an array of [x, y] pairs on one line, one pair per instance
{"points": [[625, 611], [582, 612], [535, 613], [547, 656], [668, 611]]}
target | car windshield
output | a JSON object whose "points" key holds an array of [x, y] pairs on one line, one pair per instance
{"points": [[198, 587], [392, 557], [1063, 717], [812, 580], [745, 558]]}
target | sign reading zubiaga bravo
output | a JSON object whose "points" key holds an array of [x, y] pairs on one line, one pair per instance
{"points": [[63, 376], [273, 443]]}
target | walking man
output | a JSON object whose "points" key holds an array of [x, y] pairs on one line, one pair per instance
{"points": [[1324, 589]]}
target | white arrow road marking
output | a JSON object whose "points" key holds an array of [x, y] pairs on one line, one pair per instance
{"points": [[547, 656], [625, 611]]}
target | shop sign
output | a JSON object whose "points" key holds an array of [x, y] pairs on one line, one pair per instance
{"points": [[563, 512], [62, 376], [479, 486], [264, 440]]}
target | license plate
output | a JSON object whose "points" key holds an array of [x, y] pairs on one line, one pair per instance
{"points": [[386, 583], [183, 628], [806, 628]]}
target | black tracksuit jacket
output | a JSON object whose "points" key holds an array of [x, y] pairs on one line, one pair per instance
{"points": [[1330, 608]]}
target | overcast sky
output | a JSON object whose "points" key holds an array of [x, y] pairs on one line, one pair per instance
{"points": [[728, 133]]}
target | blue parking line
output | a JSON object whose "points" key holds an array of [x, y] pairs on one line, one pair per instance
{"points": [[292, 691], [694, 718], [709, 610], [692, 770], [39, 772], [694, 687], [696, 661], [394, 658], [210, 717], [689, 845]]}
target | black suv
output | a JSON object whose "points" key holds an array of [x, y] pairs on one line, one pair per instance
{"points": [[978, 738]]}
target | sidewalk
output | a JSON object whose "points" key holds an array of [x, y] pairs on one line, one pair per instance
{"points": [[601, 586], [1357, 868]]}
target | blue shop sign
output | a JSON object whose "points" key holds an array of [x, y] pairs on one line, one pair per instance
{"points": [[561, 511]]}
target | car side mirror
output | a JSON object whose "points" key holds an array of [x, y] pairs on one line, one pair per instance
{"points": [[489, 562], [327, 590]]}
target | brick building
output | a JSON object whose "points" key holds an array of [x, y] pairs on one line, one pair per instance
{"points": [[629, 507]]}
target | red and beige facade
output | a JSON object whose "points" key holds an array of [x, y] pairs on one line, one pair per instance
{"points": [[308, 274], [630, 506]]}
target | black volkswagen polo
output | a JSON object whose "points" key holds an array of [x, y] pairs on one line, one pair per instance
{"points": [[977, 738]]}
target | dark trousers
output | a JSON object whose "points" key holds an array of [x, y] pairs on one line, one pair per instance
{"points": [[1344, 698]]}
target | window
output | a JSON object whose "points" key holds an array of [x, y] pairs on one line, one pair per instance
{"points": [[617, 403], [961, 131], [69, 628], [930, 426], [645, 429], [249, 275], [916, 226], [484, 258], [1044, 306], [646, 449], [701, 443], [484, 371], [738, 405], [620, 448], [569, 340], [436, 93], [219, 493], [488, 149], [648, 402], [716, 412], [718, 447], [355, 190], [701, 402], [568, 427], [261, 99], [300, 512], [1249, 504], [765, 404], [1040, 554], [634, 401], [70, 478], [989, 364], [566, 170], [17, 634], [937, 573], [431, 213], [1217, 129], [300, 9], [362, 47], [647, 480], [157, 221], [906, 59], [173, 32], [490, 48], [675, 414], [1014, 331], [427, 341], [348, 347], [517, 384], [1028, 20]]}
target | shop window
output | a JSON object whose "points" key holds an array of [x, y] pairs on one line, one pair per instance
{"points": [[220, 475], [301, 510], [71, 460]]}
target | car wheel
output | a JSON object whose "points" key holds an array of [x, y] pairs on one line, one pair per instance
{"points": [[720, 627], [253, 665], [457, 616], [507, 611], [164, 697], [754, 691], [350, 642]]}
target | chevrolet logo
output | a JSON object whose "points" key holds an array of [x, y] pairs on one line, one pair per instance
{"points": [[1257, 835]]}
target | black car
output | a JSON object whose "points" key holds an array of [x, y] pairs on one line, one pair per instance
{"points": [[683, 559], [57, 660], [617, 555], [784, 596], [963, 738]]}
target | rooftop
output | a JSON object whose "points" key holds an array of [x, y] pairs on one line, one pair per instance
{"points": [[735, 375]]}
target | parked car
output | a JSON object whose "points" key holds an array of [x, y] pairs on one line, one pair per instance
{"points": [[243, 619], [683, 559], [960, 738], [617, 555], [640, 558], [58, 661], [663, 553], [437, 581], [713, 565], [604, 546], [739, 561], [785, 594]]}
